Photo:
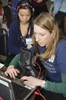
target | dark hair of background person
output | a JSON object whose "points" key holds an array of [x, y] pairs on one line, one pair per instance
{"points": [[39, 6], [0, 3], [9, 3], [24, 4], [0, 7], [7, 15]]}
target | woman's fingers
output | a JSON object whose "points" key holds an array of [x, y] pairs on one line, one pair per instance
{"points": [[24, 78], [12, 72]]}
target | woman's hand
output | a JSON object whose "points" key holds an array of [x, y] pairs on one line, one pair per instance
{"points": [[32, 81], [11, 71]]}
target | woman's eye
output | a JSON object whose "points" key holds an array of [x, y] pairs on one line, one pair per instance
{"points": [[28, 15], [21, 15], [42, 34]]}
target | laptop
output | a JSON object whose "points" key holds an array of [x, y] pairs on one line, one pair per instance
{"points": [[14, 89]]}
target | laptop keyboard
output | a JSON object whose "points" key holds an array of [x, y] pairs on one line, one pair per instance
{"points": [[20, 91]]}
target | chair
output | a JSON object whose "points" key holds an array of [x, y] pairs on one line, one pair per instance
{"points": [[3, 43]]}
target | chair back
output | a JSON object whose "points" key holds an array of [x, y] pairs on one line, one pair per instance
{"points": [[3, 41]]}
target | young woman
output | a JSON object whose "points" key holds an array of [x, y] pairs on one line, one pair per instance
{"points": [[51, 49], [21, 28]]}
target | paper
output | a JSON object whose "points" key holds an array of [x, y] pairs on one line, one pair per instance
{"points": [[1, 65]]}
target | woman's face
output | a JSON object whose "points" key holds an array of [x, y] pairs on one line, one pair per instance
{"points": [[42, 36], [24, 15]]}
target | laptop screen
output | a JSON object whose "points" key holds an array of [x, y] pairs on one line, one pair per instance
{"points": [[5, 90]]}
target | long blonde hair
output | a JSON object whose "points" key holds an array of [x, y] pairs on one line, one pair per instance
{"points": [[48, 22]]}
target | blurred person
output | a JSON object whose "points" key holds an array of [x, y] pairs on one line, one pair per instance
{"points": [[1, 12], [39, 6], [10, 4], [7, 18], [14, 5], [60, 12]]}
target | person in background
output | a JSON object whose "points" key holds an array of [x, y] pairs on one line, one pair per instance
{"points": [[7, 18], [14, 5], [39, 6], [51, 49], [10, 4], [21, 29], [60, 12], [1, 13]]}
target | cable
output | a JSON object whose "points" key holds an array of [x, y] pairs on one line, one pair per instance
{"points": [[38, 93], [39, 69]]}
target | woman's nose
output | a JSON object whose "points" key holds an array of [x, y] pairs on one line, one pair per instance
{"points": [[37, 38], [24, 18]]}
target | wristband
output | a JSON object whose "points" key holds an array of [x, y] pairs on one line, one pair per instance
{"points": [[44, 84]]}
